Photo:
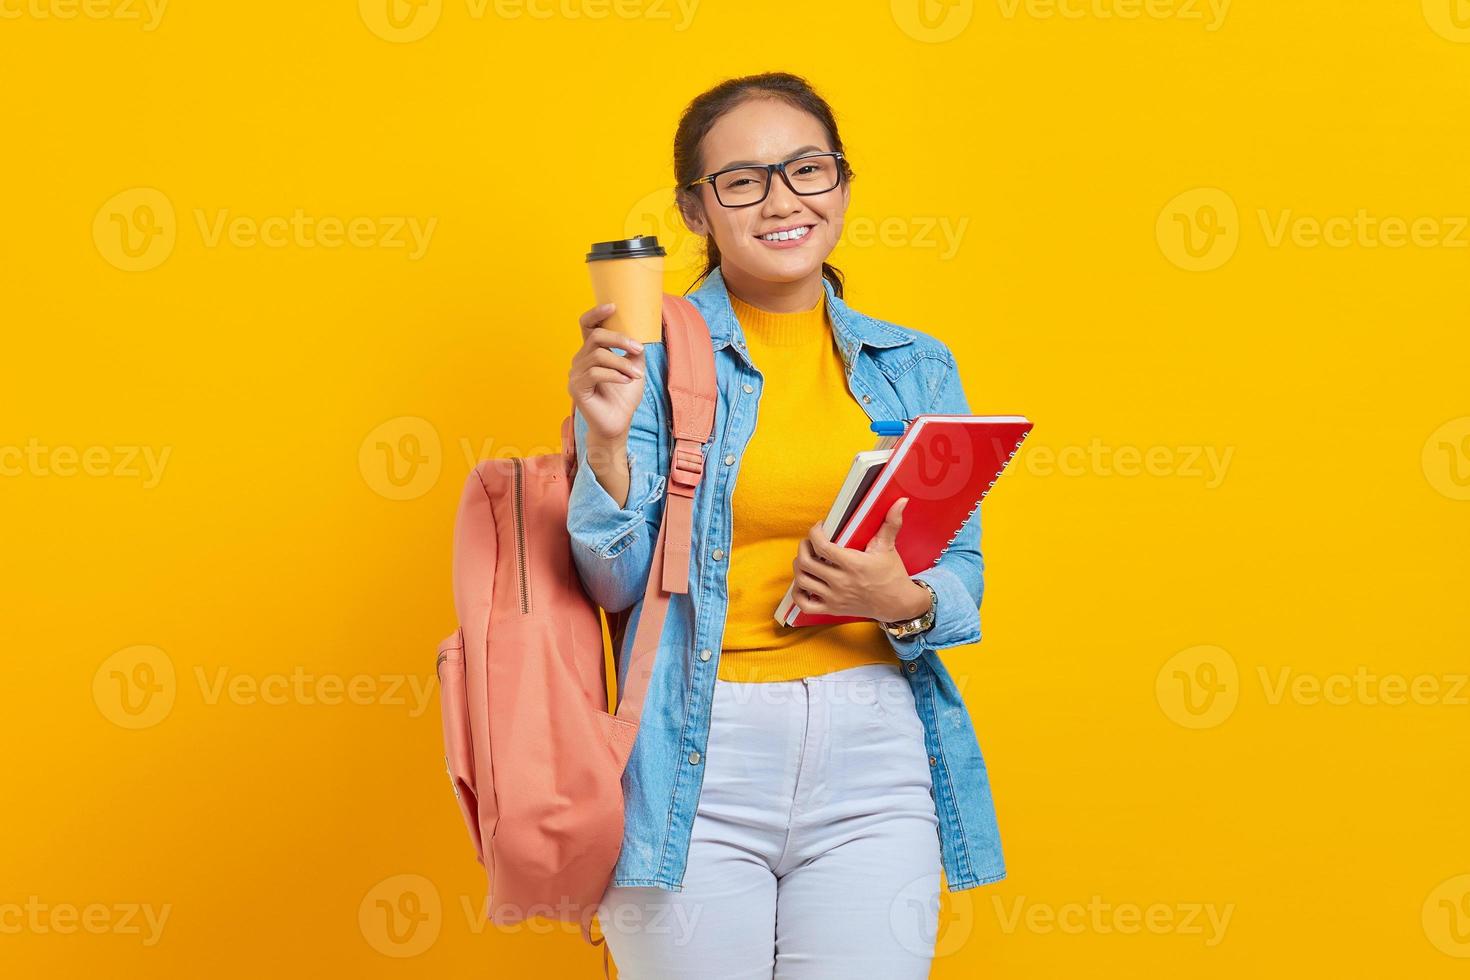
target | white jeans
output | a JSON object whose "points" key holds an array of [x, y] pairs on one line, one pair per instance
{"points": [[815, 850]]}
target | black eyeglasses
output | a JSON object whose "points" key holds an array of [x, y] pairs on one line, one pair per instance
{"points": [[740, 187]]}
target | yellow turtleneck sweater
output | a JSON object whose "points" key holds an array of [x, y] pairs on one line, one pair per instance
{"points": [[808, 428]]}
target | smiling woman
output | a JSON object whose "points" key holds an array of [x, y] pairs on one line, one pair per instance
{"points": [[776, 799]]}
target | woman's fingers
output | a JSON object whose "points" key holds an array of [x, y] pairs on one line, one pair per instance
{"points": [[604, 338], [810, 583], [602, 357], [594, 335], [597, 375], [596, 315]]}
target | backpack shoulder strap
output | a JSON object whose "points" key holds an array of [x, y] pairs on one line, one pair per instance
{"points": [[692, 396]]}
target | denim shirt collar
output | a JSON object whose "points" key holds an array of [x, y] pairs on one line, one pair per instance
{"points": [[853, 329]]}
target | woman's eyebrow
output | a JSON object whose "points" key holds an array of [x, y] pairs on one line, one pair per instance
{"points": [[790, 156]]}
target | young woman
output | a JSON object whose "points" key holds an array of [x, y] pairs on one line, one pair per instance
{"points": [[794, 794]]}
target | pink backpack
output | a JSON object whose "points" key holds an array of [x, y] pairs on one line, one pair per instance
{"points": [[534, 755]]}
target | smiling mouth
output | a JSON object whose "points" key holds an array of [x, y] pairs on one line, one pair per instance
{"points": [[791, 234]]}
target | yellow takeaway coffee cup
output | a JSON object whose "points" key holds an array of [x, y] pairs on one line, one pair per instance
{"points": [[630, 274]]}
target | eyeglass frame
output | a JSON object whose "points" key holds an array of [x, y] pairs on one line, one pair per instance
{"points": [[837, 155]]}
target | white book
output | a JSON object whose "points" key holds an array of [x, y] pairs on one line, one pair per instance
{"points": [[865, 468]]}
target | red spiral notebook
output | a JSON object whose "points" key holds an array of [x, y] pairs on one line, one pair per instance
{"points": [[945, 465]]}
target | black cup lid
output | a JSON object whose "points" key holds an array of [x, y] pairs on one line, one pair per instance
{"points": [[639, 247]]}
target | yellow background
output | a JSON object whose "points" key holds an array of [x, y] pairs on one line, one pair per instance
{"points": [[320, 407]]}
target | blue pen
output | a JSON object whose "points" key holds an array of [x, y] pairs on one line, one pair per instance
{"points": [[893, 427]]}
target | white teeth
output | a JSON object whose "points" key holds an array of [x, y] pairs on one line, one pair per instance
{"points": [[781, 236]]}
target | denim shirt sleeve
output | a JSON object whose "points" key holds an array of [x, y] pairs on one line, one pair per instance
{"points": [[958, 577], [612, 546]]}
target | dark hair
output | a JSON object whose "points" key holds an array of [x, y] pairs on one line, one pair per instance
{"points": [[705, 110]]}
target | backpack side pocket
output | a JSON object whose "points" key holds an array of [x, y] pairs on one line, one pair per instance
{"points": [[459, 756]]}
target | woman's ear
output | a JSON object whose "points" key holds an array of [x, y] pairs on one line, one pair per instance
{"points": [[692, 211]]}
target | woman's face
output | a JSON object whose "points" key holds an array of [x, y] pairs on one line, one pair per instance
{"points": [[768, 131]]}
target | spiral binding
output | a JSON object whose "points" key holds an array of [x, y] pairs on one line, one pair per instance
{"points": [[983, 495]]}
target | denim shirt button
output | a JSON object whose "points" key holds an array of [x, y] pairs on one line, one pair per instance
{"points": [[717, 554], [694, 758], [747, 389], [729, 459], [705, 655], [913, 666], [933, 761]]}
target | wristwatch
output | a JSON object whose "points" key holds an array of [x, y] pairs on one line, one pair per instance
{"points": [[909, 627]]}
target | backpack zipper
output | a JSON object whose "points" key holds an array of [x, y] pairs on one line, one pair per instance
{"points": [[520, 523]]}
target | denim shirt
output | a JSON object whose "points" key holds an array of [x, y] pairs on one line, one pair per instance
{"points": [[894, 373]]}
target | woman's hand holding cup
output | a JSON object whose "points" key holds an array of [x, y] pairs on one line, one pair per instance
{"points": [[606, 388]]}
